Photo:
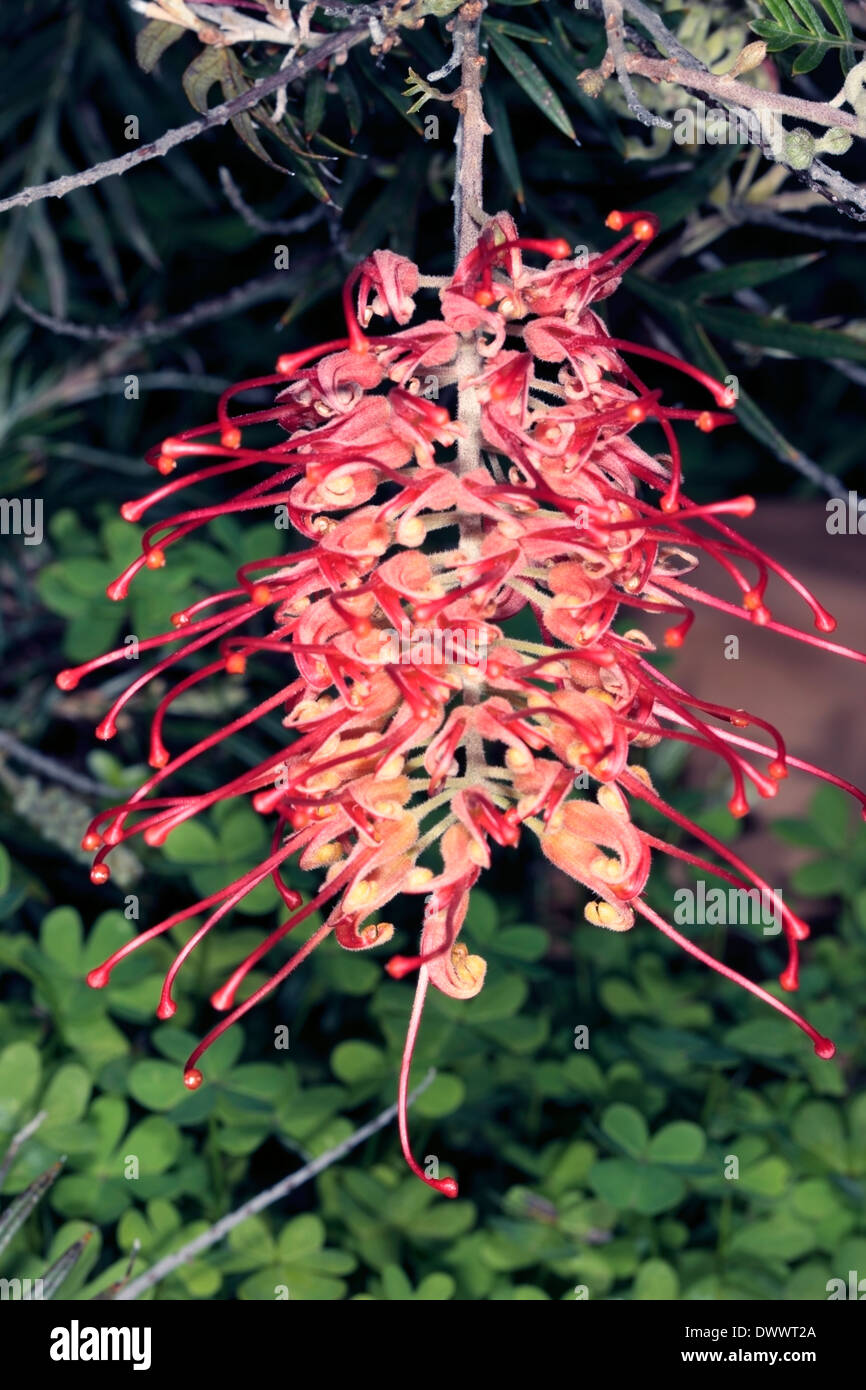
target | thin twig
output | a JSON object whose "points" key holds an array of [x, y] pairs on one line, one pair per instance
{"points": [[765, 217], [265, 1199], [218, 116], [301, 223], [52, 769], [17, 1140], [258, 291], [729, 89], [613, 23]]}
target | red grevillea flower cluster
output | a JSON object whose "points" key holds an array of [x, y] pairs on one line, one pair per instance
{"points": [[395, 775]]}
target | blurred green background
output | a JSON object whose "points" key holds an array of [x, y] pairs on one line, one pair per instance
{"points": [[599, 1168]]}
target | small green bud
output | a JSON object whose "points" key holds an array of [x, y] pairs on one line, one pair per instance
{"points": [[836, 141], [798, 148]]}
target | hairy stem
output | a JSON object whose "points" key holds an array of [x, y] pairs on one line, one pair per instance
{"points": [[468, 217]]}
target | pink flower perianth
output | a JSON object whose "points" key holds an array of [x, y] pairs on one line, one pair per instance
{"points": [[395, 777]]}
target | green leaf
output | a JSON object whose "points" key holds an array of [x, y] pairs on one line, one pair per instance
{"points": [[301, 1237], [744, 275], [155, 1142], [445, 1094], [809, 58], [522, 943], [808, 15], [153, 40], [818, 1128], [61, 938], [627, 1128], [503, 142], [679, 1142], [533, 82], [631, 1186], [656, 1280], [821, 877], [435, 1288], [780, 1237], [763, 1038], [192, 843], [156, 1085], [830, 816], [67, 1095], [315, 98], [444, 1221], [798, 339], [20, 1071], [354, 1062], [205, 70], [515, 31]]}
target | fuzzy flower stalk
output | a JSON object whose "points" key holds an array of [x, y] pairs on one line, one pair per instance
{"points": [[397, 774]]}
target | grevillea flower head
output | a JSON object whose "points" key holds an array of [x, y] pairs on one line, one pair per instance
{"points": [[396, 775]]}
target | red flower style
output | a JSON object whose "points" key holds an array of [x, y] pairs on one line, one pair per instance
{"points": [[395, 776]]}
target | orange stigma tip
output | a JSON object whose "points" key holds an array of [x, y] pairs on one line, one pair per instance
{"points": [[91, 841], [155, 559], [705, 421], [66, 680], [231, 439], [484, 298], [441, 416], [669, 502], [100, 873], [165, 464], [614, 221], [236, 664], [158, 758], [825, 1049], [636, 414], [179, 619], [673, 638], [643, 230], [398, 967], [192, 1079], [261, 595], [738, 807], [98, 978], [777, 770], [129, 511], [559, 249], [286, 364]]}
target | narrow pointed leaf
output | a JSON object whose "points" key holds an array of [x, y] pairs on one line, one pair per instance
{"points": [[533, 82]]}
